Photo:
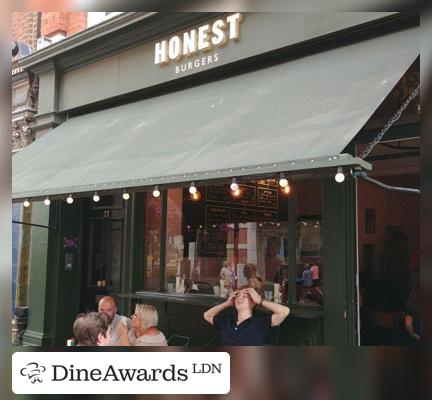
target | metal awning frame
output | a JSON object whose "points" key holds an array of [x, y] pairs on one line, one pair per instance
{"points": [[202, 177]]}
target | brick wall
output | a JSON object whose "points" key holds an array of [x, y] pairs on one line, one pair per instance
{"points": [[24, 28], [53, 23]]}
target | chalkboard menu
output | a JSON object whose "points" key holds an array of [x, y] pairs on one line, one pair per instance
{"points": [[267, 198], [248, 196], [218, 193], [242, 215], [267, 216], [215, 215], [268, 182]]}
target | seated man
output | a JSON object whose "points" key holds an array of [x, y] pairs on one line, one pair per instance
{"points": [[108, 307], [91, 329], [245, 329]]}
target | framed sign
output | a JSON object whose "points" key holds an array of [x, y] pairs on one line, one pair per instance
{"points": [[267, 198]]}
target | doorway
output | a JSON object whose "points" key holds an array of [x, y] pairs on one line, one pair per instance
{"points": [[103, 250]]}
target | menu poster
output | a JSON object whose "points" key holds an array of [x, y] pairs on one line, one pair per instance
{"points": [[218, 193], [267, 198], [242, 215], [267, 216], [216, 215], [248, 196], [268, 182]]}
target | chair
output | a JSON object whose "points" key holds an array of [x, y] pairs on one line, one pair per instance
{"points": [[178, 340]]}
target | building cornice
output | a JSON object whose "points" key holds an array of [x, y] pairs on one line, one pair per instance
{"points": [[122, 32]]}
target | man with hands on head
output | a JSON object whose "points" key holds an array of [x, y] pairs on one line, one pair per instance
{"points": [[245, 329]]}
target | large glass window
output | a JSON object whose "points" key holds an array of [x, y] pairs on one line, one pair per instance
{"points": [[309, 260], [218, 240]]}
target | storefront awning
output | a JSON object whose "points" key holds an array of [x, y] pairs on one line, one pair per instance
{"points": [[296, 115]]}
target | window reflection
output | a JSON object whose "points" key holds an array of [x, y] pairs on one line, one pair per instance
{"points": [[309, 243], [218, 240]]}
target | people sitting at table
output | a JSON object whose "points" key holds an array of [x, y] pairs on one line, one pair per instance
{"points": [[244, 328], [144, 330], [91, 329]]}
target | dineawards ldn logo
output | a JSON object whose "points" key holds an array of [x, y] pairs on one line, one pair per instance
{"points": [[121, 372], [33, 371]]}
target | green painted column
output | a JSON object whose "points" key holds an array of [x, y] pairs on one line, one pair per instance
{"points": [[340, 262], [38, 331]]}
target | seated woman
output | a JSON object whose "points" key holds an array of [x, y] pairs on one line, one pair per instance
{"points": [[92, 329], [246, 329], [144, 331]]}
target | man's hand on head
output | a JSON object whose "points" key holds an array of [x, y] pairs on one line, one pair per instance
{"points": [[256, 298]]}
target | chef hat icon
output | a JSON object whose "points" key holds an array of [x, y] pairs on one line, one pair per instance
{"points": [[32, 371]]}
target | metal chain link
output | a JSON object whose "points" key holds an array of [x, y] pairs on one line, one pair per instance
{"points": [[393, 119]]}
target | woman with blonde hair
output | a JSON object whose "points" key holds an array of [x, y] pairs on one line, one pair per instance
{"points": [[144, 330]]}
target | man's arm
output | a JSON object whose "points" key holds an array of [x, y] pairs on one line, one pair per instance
{"points": [[212, 312], [280, 312]]}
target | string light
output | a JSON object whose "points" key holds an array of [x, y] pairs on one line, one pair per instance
{"points": [[156, 192], [26, 203], [236, 193], [70, 199], [126, 195], [192, 188], [47, 201], [339, 177], [283, 182], [234, 185], [96, 197]]}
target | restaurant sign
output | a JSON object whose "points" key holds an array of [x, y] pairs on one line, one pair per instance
{"points": [[196, 42]]}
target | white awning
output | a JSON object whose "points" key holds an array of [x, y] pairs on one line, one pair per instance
{"points": [[274, 119]]}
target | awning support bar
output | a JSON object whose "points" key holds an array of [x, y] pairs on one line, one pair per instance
{"points": [[392, 188], [39, 226]]}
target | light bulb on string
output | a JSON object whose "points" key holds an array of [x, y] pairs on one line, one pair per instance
{"points": [[125, 195], [339, 177], [26, 203], [286, 189], [234, 185], [47, 201], [156, 192], [96, 197], [192, 188], [283, 182], [69, 199]]}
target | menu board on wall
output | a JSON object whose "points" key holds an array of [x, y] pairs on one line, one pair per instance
{"points": [[242, 215], [267, 216], [248, 196], [267, 198], [217, 219], [218, 193], [268, 182], [216, 215]]}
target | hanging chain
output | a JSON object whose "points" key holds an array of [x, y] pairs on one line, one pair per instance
{"points": [[395, 117]]}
